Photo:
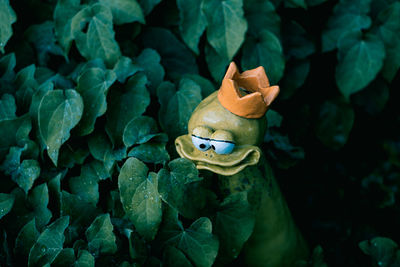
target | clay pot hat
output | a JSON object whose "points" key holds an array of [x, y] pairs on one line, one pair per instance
{"points": [[252, 105]]}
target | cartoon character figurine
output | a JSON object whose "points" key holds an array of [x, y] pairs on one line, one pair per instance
{"points": [[224, 131]]}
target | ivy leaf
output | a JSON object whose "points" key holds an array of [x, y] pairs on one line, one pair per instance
{"points": [[59, 112], [7, 18], [296, 42], [296, 3], [141, 130], [296, 73], [175, 257], [98, 41], [150, 153], [267, 53], [49, 244], [207, 87], [175, 57], [334, 124], [93, 86], [149, 62], [226, 25], [197, 242], [26, 238], [27, 85], [217, 64], [389, 32], [65, 258], [341, 24], [178, 187], [261, 15], [192, 23], [125, 68], [177, 106], [360, 65], [382, 250], [127, 106], [124, 11], [43, 38], [148, 5], [64, 11], [22, 173], [101, 149], [100, 236], [85, 186], [6, 203], [139, 197], [85, 259], [234, 224], [81, 214], [7, 107]]}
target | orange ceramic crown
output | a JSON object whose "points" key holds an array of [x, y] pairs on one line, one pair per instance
{"points": [[252, 105]]}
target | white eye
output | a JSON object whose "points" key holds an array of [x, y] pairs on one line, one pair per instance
{"points": [[222, 147], [201, 143]]}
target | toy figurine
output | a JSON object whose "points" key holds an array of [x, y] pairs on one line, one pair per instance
{"points": [[224, 131]]}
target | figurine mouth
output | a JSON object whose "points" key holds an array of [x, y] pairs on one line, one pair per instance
{"points": [[227, 165]]}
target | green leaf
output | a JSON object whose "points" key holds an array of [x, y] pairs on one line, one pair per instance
{"points": [[7, 107], [389, 31], [177, 106], [141, 130], [27, 85], [197, 242], [100, 236], [341, 24], [59, 112], [85, 186], [64, 11], [124, 11], [9, 133], [7, 18], [334, 123], [175, 257], [296, 3], [26, 239], [22, 173], [192, 23], [296, 42], [6, 203], [274, 119], [80, 212], [179, 189], [43, 38], [261, 15], [37, 97], [98, 41], [65, 258], [315, 2], [207, 87], [93, 86], [125, 68], [49, 244], [360, 65], [226, 26], [139, 197], [127, 106], [296, 73], [234, 225], [101, 149], [217, 64], [149, 62], [382, 250], [175, 57], [85, 259], [373, 99], [148, 5], [267, 52], [150, 153]]}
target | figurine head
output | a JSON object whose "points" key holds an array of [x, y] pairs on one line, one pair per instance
{"points": [[226, 127]]}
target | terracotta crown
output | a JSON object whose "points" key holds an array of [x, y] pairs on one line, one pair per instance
{"points": [[256, 103]]}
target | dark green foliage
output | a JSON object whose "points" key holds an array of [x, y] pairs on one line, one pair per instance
{"points": [[93, 94]]}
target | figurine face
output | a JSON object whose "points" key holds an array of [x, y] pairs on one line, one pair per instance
{"points": [[219, 140]]}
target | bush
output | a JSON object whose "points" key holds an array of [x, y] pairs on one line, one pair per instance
{"points": [[94, 92]]}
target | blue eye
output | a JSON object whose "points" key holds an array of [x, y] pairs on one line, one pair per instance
{"points": [[201, 143], [222, 147]]}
